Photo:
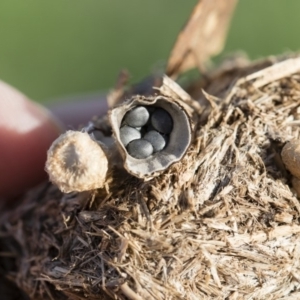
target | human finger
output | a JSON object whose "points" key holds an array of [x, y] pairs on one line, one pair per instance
{"points": [[26, 132]]}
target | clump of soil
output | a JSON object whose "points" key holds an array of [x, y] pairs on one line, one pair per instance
{"points": [[221, 223]]}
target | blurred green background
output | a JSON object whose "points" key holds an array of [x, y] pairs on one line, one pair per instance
{"points": [[54, 48]]}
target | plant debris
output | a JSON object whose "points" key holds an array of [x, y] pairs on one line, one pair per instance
{"points": [[221, 223], [203, 36]]}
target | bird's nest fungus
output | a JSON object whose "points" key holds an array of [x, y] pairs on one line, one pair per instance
{"points": [[221, 223]]}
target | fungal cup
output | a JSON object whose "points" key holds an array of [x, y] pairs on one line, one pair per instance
{"points": [[177, 143]]}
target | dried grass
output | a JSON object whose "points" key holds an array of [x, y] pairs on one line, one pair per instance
{"points": [[221, 224]]}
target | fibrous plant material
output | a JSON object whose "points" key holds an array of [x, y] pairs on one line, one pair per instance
{"points": [[203, 36], [221, 223]]}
